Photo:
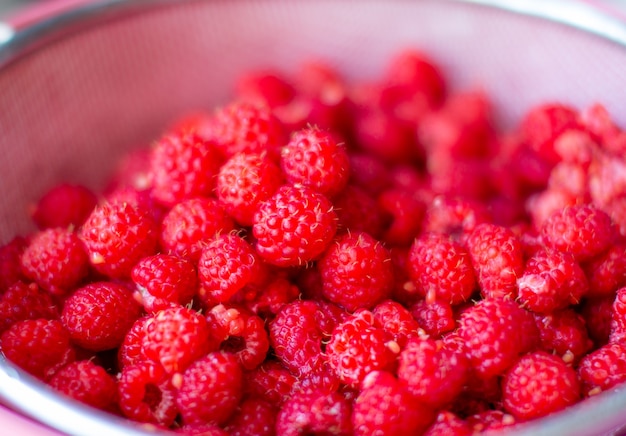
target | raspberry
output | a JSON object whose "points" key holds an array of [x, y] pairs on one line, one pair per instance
{"points": [[441, 269], [175, 338], [396, 321], [210, 389], [189, 224], [244, 182], [597, 313], [183, 166], [606, 178], [245, 127], [253, 417], [117, 236], [543, 124], [434, 373], [356, 271], [544, 204], [314, 412], [358, 347], [435, 318], [267, 299], [294, 226], [404, 212], [491, 421], [227, 264], [140, 199], [266, 86], [40, 346], [130, 351], [385, 407], [551, 280], [56, 260], [10, 262], [564, 334], [603, 368], [270, 381], [585, 231], [358, 211], [64, 205], [448, 424], [24, 301], [369, 173], [132, 171], [146, 394], [417, 71], [618, 317], [315, 159], [164, 281], [454, 216], [498, 259], [99, 314], [539, 384], [495, 333], [385, 136], [88, 383], [571, 178], [607, 271]]}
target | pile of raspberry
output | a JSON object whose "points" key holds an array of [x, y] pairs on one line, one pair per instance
{"points": [[323, 256]]}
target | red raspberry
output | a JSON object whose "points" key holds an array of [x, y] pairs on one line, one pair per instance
{"points": [[606, 178], [164, 281], [618, 317], [539, 384], [571, 178], [189, 224], [491, 421], [434, 373], [575, 147], [130, 351], [176, 337], [552, 280], [358, 211], [448, 424], [227, 264], [597, 313], [117, 236], [585, 231], [146, 394], [244, 127], [607, 271], [99, 314], [210, 389], [294, 226], [495, 333], [56, 260], [39, 346], [396, 321], [418, 72], [435, 318], [265, 86], [498, 259], [385, 407], [316, 412], [454, 216], [356, 271], [603, 368], [404, 215], [183, 165], [616, 209], [544, 204], [140, 199], [24, 301], [369, 173], [297, 338], [10, 262], [64, 205], [357, 347], [253, 417], [315, 159], [442, 269], [564, 334], [88, 383], [132, 170], [543, 124], [242, 334], [268, 298], [270, 381], [244, 182]]}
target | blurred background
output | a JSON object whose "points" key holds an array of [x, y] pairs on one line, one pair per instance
{"points": [[9, 6]]}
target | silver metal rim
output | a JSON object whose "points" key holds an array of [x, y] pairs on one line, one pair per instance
{"points": [[32, 398]]}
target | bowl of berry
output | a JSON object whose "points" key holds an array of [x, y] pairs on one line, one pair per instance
{"points": [[334, 218]]}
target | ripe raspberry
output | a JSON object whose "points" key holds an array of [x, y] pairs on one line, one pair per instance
{"points": [[571, 178], [56, 260], [132, 171], [396, 321], [434, 318], [606, 178], [294, 226], [495, 333], [419, 72], [164, 281], [210, 389], [607, 271], [265, 86], [99, 314], [88, 383], [24, 301], [253, 417], [244, 127], [385, 407], [140, 199], [244, 182], [543, 124], [39, 346], [454, 216], [441, 269], [130, 351], [404, 216], [64, 205], [314, 158], [189, 224], [146, 394], [618, 317], [270, 381], [369, 173], [603, 368], [175, 338], [575, 147], [539, 384], [10, 262], [498, 259], [266, 299], [117, 236], [183, 166], [316, 412], [357, 347], [551, 280], [356, 271], [358, 211], [564, 334], [448, 424], [584, 230], [433, 373], [227, 264]]}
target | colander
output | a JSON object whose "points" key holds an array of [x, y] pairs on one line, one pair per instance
{"points": [[83, 82]]}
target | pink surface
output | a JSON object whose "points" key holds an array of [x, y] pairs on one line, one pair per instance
{"points": [[13, 423]]}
